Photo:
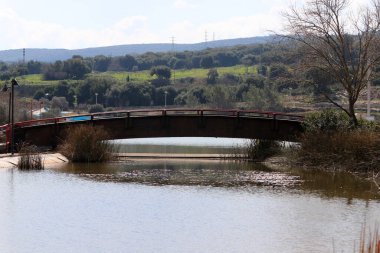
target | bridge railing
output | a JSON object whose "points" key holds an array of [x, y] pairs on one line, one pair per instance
{"points": [[159, 112], [5, 129]]}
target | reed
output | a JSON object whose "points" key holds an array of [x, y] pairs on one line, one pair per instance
{"points": [[357, 149], [370, 243], [85, 143], [30, 159]]}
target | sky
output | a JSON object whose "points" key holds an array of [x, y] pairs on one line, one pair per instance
{"points": [[74, 24]]}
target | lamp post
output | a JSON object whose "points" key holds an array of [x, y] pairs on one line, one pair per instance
{"points": [[166, 93], [96, 98], [5, 89], [13, 83], [11, 111]]}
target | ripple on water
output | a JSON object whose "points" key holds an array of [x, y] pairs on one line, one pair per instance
{"points": [[202, 177]]}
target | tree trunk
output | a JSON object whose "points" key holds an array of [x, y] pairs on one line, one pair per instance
{"points": [[352, 115]]}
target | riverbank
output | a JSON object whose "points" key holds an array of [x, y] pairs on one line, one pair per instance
{"points": [[50, 160]]}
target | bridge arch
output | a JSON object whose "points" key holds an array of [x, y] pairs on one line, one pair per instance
{"points": [[166, 123]]}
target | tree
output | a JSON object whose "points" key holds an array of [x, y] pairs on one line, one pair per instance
{"points": [[127, 62], [212, 75], [161, 72], [344, 47], [163, 75], [101, 63], [207, 62]]}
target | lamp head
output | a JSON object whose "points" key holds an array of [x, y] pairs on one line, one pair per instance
{"points": [[14, 82]]}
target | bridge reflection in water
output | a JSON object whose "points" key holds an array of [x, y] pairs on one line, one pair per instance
{"points": [[165, 123]]}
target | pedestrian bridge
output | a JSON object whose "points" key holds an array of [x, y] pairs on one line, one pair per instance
{"points": [[162, 123]]}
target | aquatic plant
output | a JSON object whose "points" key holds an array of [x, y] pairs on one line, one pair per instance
{"points": [[85, 143], [30, 158], [370, 243]]}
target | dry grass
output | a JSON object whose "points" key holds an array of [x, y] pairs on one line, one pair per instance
{"points": [[86, 143], [371, 244], [30, 159], [357, 150]]}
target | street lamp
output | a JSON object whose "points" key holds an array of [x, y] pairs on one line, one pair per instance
{"points": [[166, 93], [5, 89], [11, 111], [13, 83], [96, 98]]}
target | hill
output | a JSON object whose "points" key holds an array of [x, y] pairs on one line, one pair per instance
{"points": [[51, 55]]}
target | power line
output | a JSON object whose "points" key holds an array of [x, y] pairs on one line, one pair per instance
{"points": [[172, 40], [173, 51], [206, 38]]}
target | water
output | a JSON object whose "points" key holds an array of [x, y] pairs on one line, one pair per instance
{"points": [[182, 206], [192, 145]]}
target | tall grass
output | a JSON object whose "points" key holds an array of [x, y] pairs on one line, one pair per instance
{"points": [[357, 150], [30, 158], [86, 143], [257, 150], [331, 141], [370, 243]]}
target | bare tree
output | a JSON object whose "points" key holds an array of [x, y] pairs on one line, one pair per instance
{"points": [[344, 45]]}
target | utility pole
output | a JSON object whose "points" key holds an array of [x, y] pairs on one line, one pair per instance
{"points": [[173, 51], [206, 38], [23, 55]]}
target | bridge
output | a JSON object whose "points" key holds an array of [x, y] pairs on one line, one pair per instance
{"points": [[162, 123]]}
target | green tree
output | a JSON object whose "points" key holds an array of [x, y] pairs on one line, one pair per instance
{"points": [[263, 99], [101, 63], [207, 62], [212, 76], [127, 62], [163, 74]]}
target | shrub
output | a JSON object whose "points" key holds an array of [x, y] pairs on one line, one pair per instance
{"points": [[327, 121], [86, 143], [357, 149], [96, 108], [330, 140], [30, 159], [259, 150]]}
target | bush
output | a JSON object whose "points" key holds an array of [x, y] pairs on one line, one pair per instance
{"points": [[357, 149], [331, 141], [327, 121], [259, 150], [86, 143], [30, 159], [96, 108]]}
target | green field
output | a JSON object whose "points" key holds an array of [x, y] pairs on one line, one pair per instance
{"points": [[143, 76]]}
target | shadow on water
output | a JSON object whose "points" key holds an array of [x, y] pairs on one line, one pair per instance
{"points": [[227, 174]]}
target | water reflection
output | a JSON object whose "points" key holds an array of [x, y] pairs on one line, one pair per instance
{"points": [[206, 173], [227, 174]]}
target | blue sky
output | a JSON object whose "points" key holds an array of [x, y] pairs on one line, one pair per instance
{"points": [[89, 23]]}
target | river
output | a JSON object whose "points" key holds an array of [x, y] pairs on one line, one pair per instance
{"points": [[160, 205]]}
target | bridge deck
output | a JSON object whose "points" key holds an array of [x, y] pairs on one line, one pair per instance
{"points": [[163, 123]]}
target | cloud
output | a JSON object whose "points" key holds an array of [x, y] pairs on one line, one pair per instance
{"points": [[232, 27], [183, 4], [18, 32]]}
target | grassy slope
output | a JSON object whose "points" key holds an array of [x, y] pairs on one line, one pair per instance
{"points": [[142, 76]]}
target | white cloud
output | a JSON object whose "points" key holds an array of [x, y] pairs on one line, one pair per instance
{"points": [[18, 32], [233, 27], [183, 4]]}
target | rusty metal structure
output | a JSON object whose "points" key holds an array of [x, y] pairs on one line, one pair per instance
{"points": [[162, 123]]}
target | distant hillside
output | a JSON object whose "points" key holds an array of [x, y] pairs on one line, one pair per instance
{"points": [[51, 55]]}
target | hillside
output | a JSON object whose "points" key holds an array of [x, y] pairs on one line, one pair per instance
{"points": [[51, 55]]}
